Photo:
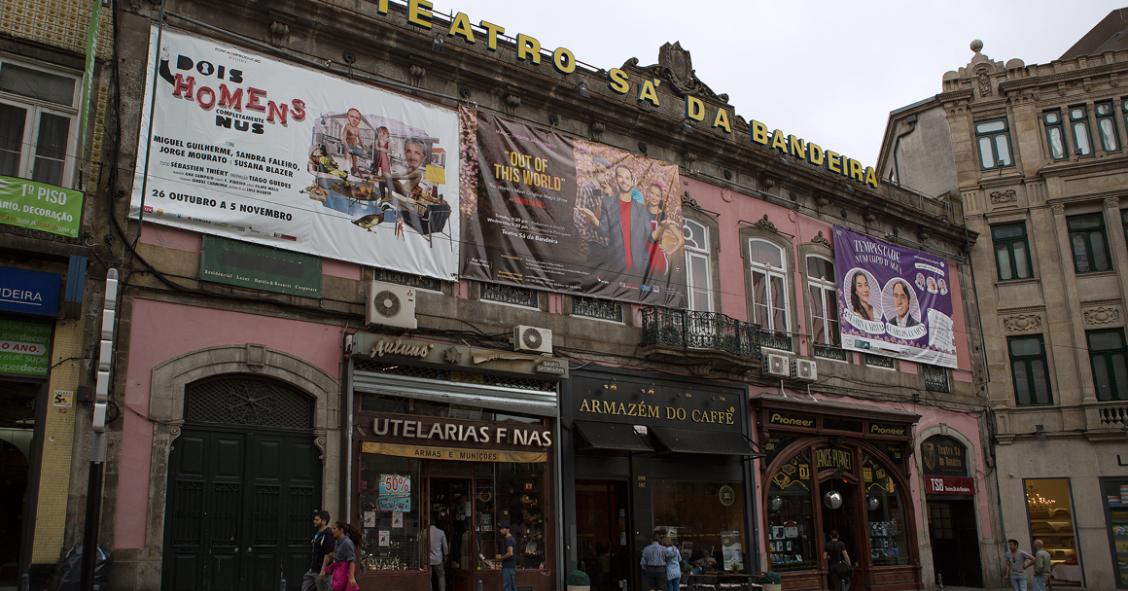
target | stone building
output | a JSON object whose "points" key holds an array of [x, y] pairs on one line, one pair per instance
{"points": [[1036, 156], [53, 91], [308, 321]]}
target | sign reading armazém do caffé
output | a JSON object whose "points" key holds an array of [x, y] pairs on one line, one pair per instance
{"points": [[653, 403]]}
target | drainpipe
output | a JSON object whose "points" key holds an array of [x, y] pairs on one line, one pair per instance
{"points": [[87, 86]]}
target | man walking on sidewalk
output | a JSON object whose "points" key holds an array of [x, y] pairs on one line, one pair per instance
{"points": [[1016, 563], [315, 579], [1042, 565]]}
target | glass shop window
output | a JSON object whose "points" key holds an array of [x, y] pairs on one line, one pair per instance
{"points": [[886, 515], [704, 519], [390, 512], [791, 517], [1049, 506]]}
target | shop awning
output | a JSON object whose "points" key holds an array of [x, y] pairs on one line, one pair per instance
{"points": [[514, 400], [703, 442], [610, 437]]}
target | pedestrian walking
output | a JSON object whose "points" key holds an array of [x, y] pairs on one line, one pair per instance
{"points": [[343, 569], [508, 558], [654, 558], [315, 578], [673, 565], [1042, 566], [838, 563], [1015, 564], [439, 551]]}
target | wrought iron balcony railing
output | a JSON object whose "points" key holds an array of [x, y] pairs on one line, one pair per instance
{"points": [[709, 331]]}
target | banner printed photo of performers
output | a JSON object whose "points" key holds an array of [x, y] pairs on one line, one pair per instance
{"points": [[263, 151], [563, 214], [894, 301]]}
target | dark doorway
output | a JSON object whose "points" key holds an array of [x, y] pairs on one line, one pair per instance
{"points": [[452, 512], [845, 519], [955, 542], [602, 533], [17, 432], [242, 484]]}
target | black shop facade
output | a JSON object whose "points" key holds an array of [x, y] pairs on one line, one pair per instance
{"points": [[641, 453], [464, 438], [832, 466]]}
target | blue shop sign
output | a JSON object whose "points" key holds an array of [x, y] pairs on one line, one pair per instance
{"points": [[29, 292]]}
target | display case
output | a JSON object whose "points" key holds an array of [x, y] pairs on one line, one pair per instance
{"points": [[390, 513]]}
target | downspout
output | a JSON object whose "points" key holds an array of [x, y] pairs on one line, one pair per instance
{"points": [[88, 86]]}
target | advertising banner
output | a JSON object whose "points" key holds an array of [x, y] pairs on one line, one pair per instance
{"points": [[894, 301], [238, 145], [40, 206], [25, 347], [29, 292], [551, 212]]}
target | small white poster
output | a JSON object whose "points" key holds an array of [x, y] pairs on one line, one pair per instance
{"points": [[369, 519], [397, 519], [384, 539]]}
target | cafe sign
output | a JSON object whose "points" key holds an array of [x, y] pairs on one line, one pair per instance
{"points": [[621, 399]]}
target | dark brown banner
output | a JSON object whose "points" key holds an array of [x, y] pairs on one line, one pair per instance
{"points": [[550, 212]]}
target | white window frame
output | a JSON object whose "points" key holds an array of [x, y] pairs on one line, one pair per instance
{"points": [[823, 286], [704, 253], [770, 272], [35, 109]]}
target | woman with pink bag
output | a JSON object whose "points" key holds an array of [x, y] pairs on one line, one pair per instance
{"points": [[343, 568]]}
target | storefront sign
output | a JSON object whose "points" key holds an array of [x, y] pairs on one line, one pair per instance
{"points": [[888, 429], [791, 420], [455, 357], [260, 267], [454, 454], [39, 206], [654, 403], [29, 292], [259, 150], [527, 48], [400, 347], [949, 485], [559, 213], [441, 430], [25, 347], [838, 459], [943, 455]]}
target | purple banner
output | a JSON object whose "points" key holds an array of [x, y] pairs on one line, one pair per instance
{"points": [[894, 301]]}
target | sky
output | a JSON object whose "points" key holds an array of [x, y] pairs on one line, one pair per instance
{"points": [[829, 72]]}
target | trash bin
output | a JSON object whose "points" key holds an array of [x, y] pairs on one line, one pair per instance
{"points": [[68, 573]]}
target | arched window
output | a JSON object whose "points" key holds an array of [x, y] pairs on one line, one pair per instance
{"points": [[768, 267], [699, 266], [823, 299]]}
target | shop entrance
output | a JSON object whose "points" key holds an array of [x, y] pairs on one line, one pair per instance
{"points": [[845, 519], [955, 542], [243, 482], [452, 511], [17, 428], [602, 533]]}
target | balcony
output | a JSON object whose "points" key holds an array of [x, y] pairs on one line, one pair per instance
{"points": [[703, 341]]}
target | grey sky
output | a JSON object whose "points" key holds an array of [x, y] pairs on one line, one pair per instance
{"points": [[826, 71]]}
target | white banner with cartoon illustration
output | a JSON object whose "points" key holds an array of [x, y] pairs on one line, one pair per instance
{"points": [[255, 149]]}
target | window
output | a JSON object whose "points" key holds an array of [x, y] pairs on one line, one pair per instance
{"points": [[1049, 509], [1116, 516], [509, 294], [1029, 371], [994, 144], [699, 267], [597, 308], [887, 536], [1012, 252], [1079, 123], [769, 286], [38, 123], [717, 533], [792, 536], [1090, 247], [1055, 134], [1124, 222], [1107, 354], [1106, 126], [823, 299]]}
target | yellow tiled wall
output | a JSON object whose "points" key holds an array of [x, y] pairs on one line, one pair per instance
{"points": [[59, 23]]}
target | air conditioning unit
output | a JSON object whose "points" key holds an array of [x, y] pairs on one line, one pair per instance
{"points": [[390, 305], [777, 364], [531, 338], [806, 370]]}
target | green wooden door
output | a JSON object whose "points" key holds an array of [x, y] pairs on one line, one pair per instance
{"points": [[240, 498]]}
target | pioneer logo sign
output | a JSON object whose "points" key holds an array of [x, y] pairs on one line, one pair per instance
{"points": [[790, 420]]}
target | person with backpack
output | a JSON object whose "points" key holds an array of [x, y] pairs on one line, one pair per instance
{"points": [[838, 563], [344, 567]]}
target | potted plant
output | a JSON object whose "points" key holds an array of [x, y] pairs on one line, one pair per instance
{"points": [[578, 581]]}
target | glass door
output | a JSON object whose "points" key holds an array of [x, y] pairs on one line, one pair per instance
{"points": [[602, 537]]}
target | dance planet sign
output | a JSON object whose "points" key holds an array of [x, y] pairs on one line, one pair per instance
{"points": [[238, 145], [893, 301]]}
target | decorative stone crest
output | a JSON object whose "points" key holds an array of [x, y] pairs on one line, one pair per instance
{"points": [[766, 224], [1007, 196], [1101, 315], [279, 33], [1022, 322], [416, 74], [983, 79], [675, 65], [820, 239]]}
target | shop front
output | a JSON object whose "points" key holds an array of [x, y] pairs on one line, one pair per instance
{"points": [[645, 454], [950, 497], [460, 438], [832, 467]]}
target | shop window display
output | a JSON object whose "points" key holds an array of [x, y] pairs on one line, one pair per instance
{"points": [[1116, 506], [390, 512], [704, 519], [1049, 506], [791, 530], [886, 516]]}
